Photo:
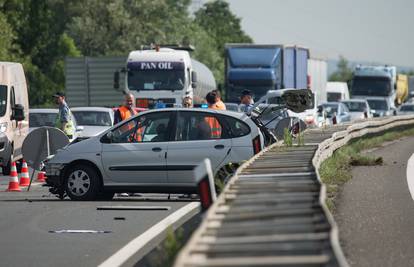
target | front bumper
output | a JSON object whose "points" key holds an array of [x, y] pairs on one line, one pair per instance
{"points": [[54, 173]]}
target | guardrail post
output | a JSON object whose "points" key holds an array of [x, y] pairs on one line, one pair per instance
{"points": [[204, 178]]}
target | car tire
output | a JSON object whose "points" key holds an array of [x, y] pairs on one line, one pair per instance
{"points": [[7, 168], [82, 182]]}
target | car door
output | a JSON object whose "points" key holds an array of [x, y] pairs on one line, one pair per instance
{"points": [[199, 135], [135, 152]]}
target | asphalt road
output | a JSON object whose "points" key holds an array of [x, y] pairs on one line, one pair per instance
{"points": [[375, 211], [26, 219]]}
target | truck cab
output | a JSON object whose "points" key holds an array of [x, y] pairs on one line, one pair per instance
{"points": [[375, 83], [162, 77]]}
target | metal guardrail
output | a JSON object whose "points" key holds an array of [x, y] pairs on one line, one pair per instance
{"points": [[272, 212]]}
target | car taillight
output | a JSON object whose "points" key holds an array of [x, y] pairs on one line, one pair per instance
{"points": [[257, 146]]}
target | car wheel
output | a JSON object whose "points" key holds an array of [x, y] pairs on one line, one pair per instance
{"points": [[7, 168], [82, 183]]}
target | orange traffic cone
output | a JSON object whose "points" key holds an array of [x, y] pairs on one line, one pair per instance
{"points": [[24, 176], [14, 179], [41, 177]]}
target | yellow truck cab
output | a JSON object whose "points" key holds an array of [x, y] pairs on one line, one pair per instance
{"points": [[402, 89], [14, 113]]}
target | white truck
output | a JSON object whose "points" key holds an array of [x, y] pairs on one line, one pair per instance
{"points": [[14, 113], [317, 80], [162, 77]]}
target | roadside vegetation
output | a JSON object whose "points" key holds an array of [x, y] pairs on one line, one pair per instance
{"points": [[336, 170], [41, 34]]}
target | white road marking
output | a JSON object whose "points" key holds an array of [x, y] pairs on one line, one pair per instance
{"points": [[122, 255], [410, 175]]}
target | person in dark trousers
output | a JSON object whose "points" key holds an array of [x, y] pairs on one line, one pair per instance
{"points": [[64, 119]]}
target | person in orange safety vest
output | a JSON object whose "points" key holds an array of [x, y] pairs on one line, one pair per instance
{"points": [[215, 126], [125, 112]]}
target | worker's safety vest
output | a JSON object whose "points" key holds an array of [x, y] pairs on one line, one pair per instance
{"points": [[126, 113], [69, 129], [214, 126]]}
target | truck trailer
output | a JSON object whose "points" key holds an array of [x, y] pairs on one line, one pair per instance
{"points": [[260, 68]]}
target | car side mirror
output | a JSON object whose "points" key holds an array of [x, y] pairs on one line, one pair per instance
{"points": [[194, 79], [18, 112]]}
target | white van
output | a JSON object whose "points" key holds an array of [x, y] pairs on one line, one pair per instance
{"points": [[337, 91], [14, 113]]}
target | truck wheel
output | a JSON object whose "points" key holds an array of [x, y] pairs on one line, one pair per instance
{"points": [[7, 168], [82, 183]]}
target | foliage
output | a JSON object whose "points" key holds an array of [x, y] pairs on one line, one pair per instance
{"points": [[41, 34], [343, 72], [287, 137], [222, 26]]}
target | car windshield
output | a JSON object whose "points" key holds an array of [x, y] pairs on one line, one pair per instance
{"points": [[42, 119], [92, 118], [356, 106], [3, 99], [253, 57], [378, 104], [333, 97], [330, 109], [371, 86], [156, 76], [407, 108]]}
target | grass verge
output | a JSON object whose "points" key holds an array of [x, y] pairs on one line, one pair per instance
{"points": [[336, 170]]}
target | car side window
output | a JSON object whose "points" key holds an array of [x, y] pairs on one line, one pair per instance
{"points": [[198, 126], [151, 127], [237, 127]]}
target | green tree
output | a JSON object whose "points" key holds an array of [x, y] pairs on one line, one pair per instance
{"points": [[222, 27], [41, 39], [7, 47], [216, 18], [343, 72]]}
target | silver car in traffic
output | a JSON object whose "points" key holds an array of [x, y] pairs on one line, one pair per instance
{"points": [[155, 151]]}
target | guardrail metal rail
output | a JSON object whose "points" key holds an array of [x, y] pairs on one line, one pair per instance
{"points": [[272, 212]]}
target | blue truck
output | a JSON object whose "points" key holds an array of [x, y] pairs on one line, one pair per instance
{"points": [[260, 68]]}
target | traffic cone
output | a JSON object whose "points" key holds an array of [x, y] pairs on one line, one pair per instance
{"points": [[41, 177], [14, 180], [24, 176]]}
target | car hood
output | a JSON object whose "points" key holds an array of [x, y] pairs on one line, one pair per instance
{"points": [[89, 131]]}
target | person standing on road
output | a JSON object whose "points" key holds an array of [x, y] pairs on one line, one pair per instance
{"points": [[246, 101], [126, 110], [64, 119], [219, 103], [187, 102], [215, 127]]}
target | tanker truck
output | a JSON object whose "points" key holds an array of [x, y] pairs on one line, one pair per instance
{"points": [[163, 76]]}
